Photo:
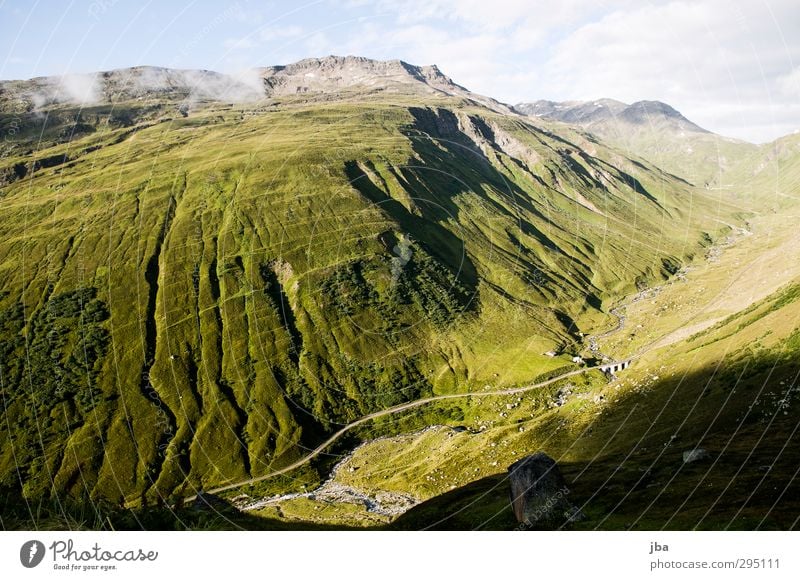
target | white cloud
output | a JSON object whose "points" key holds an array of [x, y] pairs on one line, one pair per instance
{"points": [[319, 44], [731, 67], [532, 15], [721, 64], [82, 89], [275, 32], [790, 84], [263, 36], [251, 80], [72, 88]]}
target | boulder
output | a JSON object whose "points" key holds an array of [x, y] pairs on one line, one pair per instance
{"points": [[696, 454], [539, 492]]}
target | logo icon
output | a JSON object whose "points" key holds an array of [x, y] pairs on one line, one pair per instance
{"points": [[31, 553]]}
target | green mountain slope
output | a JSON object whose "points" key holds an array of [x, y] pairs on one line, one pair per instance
{"points": [[773, 172], [194, 300]]}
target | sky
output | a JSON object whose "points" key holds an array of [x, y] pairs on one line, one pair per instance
{"points": [[731, 66]]}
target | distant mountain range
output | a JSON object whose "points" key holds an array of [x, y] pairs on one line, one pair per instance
{"points": [[588, 114], [655, 131], [650, 129]]}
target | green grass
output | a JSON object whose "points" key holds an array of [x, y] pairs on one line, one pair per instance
{"points": [[252, 295]]}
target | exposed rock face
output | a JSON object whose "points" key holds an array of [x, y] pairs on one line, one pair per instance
{"points": [[539, 492], [339, 72], [473, 133]]}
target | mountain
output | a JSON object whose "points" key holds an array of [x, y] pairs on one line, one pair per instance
{"points": [[333, 73], [655, 131], [198, 291]]}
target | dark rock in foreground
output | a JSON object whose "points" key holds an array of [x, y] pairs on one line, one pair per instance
{"points": [[539, 492]]}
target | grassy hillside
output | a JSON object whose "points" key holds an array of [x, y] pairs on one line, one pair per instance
{"points": [[716, 369], [774, 171], [193, 300]]}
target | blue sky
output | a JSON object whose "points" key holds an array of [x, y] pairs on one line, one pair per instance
{"points": [[732, 67]]}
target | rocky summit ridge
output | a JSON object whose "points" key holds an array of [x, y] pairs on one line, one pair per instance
{"points": [[312, 76]]}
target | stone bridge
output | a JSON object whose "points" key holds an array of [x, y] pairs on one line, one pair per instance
{"points": [[615, 367]]}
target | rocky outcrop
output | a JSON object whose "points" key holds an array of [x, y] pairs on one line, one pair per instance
{"points": [[19, 170], [334, 73], [539, 493], [11, 174]]}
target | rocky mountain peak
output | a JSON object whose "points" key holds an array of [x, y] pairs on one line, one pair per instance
{"points": [[334, 73], [604, 111], [647, 111]]}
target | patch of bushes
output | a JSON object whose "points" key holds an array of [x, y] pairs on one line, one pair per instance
{"points": [[60, 360], [422, 289]]}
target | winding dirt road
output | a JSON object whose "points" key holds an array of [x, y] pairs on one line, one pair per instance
{"points": [[391, 411]]}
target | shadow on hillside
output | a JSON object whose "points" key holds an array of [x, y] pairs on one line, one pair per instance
{"points": [[17, 513], [426, 227], [636, 478], [452, 165]]}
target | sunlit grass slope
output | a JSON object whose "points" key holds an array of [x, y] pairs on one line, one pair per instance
{"points": [[192, 301]]}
